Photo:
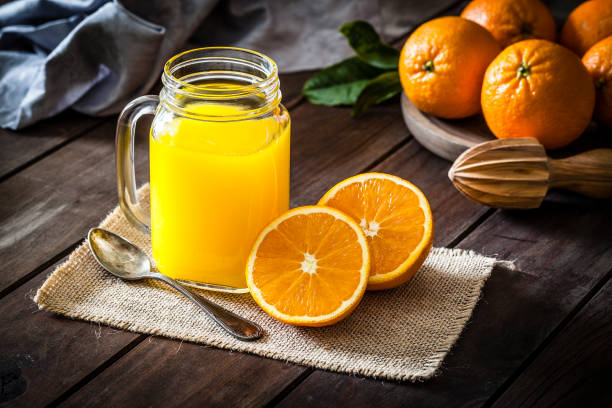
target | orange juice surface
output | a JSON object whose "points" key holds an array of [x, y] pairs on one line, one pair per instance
{"points": [[214, 186]]}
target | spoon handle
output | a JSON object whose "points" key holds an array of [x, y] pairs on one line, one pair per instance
{"points": [[235, 325]]}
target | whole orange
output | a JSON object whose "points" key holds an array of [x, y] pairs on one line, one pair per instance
{"points": [[511, 21], [442, 64], [536, 88], [598, 61], [586, 25]]}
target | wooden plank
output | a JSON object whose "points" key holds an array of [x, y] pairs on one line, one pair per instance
{"points": [[80, 179], [445, 138], [328, 145], [35, 342], [561, 252], [175, 374], [573, 370], [41, 354], [22, 147], [56, 200]]}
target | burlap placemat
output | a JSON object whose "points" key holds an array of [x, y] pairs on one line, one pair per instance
{"points": [[400, 334]]}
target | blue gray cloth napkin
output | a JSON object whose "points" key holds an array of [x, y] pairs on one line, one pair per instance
{"points": [[94, 56], [91, 55]]}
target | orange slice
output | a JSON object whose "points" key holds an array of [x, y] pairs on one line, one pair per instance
{"points": [[396, 219], [309, 267]]}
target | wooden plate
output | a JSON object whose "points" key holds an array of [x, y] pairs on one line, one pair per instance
{"points": [[449, 138], [446, 138]]}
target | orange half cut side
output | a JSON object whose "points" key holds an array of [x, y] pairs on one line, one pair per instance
{"points": [[396, 219], [309, 267]]}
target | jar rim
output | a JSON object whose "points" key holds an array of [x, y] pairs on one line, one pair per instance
{"points": [[208, 91]]}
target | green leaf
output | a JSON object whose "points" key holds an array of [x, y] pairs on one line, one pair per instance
{"points": [[377, 90], [368, 46], [341, 83]]}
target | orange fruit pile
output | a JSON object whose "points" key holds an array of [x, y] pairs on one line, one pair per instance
{"points": [[533, 87], [311, 265]]}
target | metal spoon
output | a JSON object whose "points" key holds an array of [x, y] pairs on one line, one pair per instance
{"points": [[126, 261]]}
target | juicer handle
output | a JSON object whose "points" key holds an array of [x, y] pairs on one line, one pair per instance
{"points": [[588, 173], [124, 149]]}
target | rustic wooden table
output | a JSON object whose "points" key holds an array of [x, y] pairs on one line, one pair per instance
{"points": [[540, 336]]}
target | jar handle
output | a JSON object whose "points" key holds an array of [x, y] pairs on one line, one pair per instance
{"points": [[124, 149]]}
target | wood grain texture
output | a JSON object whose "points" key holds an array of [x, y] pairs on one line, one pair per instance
{"points": [[173, 374], [445, 138], [517, 173], [574, 370], [561, 250], [588, 173], [42, 355], [56, 200], [328, 145], [510, 173], [22, 147]]}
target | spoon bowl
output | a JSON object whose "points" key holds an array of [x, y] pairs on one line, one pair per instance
{"points": [[117, 255], [126, 261]]}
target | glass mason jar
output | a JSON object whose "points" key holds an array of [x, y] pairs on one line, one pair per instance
{"points": [[219, 163]]}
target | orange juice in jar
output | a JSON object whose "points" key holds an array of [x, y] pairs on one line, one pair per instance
{"points": [[219, 164]]}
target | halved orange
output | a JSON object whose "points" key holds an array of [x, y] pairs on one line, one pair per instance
{"points": [[309, 267], [396, 219]]}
